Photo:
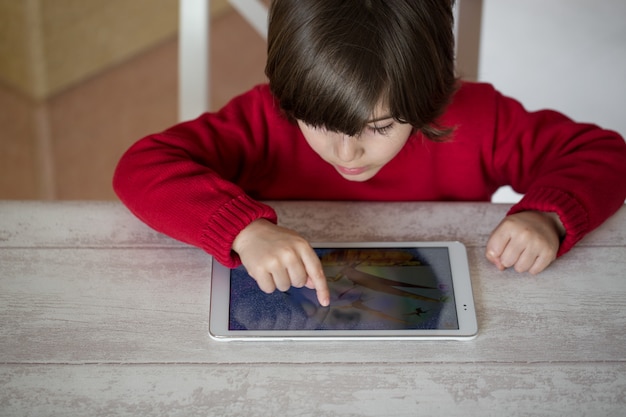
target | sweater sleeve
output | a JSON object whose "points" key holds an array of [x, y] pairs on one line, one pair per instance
{"points": [[182, 182], [576, 170]]}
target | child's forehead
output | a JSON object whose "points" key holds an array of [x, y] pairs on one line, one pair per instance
{"points": [[385, 116], [381, 112]]}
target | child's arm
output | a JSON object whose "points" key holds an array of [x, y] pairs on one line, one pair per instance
{"points": [[526, 241], [190, 181], [574, 169], [279, 258]]}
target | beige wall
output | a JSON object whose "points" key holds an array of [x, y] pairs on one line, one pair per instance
{"points": [[69, 102], [49, 45]]}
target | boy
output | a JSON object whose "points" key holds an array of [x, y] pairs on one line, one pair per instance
{"points": [[363, 104]]}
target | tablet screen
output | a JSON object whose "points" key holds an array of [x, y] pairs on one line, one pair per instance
{"points": [[371, 289]]}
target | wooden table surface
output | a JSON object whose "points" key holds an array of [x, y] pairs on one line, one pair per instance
{"points": [[100, 315]]}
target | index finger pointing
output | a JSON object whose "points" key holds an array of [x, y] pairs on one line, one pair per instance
{"points": [[315, 272]]}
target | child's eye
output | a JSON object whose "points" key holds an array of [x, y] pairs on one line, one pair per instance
{"points": [[381, 130]]}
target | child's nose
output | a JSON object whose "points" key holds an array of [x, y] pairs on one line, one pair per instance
{"points": [[348, 148]]}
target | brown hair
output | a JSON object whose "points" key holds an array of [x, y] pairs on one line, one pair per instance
{"points": [[330, 62]]}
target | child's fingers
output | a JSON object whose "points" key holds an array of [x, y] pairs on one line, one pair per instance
{"points": [[533, 261], [282, 279], [495, 247], [278, 258], [545, 256], [521, 243], [297, 274], [494, 257], [513, 254], [265, 281], [505, 252], [270, 274], [316, 277], [525, 260], [541, 263]]}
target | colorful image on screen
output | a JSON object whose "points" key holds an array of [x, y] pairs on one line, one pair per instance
{"points": [[371, 289]]}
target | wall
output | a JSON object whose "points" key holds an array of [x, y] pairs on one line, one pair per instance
{"points": [[80, 80], [51, 45]]}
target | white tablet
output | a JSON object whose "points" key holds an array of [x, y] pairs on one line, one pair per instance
{"points": [[398, 291]]}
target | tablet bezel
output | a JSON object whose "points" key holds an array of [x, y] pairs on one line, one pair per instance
{"points": [[220, 298]]}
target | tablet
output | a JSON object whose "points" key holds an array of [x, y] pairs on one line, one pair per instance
{"points": [[395, 291]]}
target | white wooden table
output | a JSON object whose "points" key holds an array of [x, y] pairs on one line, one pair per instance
{"points": [[99, 316]]}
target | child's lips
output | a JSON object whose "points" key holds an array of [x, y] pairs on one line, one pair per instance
{"points": [[351, 171]]}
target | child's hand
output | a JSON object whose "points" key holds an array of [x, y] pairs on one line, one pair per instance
{"points": [[279, 258], [528, 241]]}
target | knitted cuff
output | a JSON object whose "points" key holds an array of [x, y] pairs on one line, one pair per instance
{"points": [[572, 214], [226, 223]]}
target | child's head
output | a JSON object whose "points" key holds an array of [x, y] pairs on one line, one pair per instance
{"points": [[331, 63]]}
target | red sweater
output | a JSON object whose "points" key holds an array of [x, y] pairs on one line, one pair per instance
{"points": [[201, 181]]}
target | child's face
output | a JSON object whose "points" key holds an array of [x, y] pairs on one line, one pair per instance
{"points": [[359, 158]]}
